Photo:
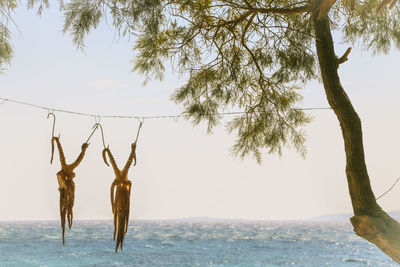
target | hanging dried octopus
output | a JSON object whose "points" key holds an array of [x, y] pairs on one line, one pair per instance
{"points": [[120, 195], [66, 184]]}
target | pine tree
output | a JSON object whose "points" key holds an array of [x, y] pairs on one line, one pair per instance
{"points": [[255, 55]]}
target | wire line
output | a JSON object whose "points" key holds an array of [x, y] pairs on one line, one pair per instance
{"points": [[128, 116], [387, 191]]}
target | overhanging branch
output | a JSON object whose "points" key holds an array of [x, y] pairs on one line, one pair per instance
{"points": [[274, 10], [237, 20], [283, 11]]}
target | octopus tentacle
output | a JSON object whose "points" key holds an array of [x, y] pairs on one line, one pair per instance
{"points": [[105, 156], [70, 213], [69, 216], [128, 187], [116, 210], [70, 195], [115, 225], [113, 185], [80, 157], [117, 172], [123, 198], [61, 152], [128, 164], [121, 234], [63, 226], [112, 190], [52, 150], [62, 213]]}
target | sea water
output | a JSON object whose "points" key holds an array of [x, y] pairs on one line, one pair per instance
{"points": [[187, 243]]}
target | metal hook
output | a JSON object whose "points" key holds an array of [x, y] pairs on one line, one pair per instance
{"points": [[96, 119], [96, 125], [54, 122], [4, 101], [140, 127], [102, 133], [176, 118]]}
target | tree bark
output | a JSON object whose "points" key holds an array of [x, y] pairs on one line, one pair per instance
{"points": [[369, 220]]}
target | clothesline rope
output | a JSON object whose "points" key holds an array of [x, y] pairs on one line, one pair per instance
{"points": [[142, 118], [98, 116]]}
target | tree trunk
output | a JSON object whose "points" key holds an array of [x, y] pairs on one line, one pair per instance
{"points": [[369, 220]]}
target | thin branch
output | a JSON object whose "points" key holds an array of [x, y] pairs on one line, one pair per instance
{"points": [[247, 27], [277, 10], [237, 20], [344, 58]]}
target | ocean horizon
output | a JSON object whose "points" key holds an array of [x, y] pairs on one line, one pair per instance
{"points": [[187, 243]]}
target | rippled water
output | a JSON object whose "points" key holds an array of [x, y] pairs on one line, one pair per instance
{"points": [[169, 243]]}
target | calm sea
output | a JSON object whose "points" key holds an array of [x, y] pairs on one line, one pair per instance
{"points": [[187, 243]]}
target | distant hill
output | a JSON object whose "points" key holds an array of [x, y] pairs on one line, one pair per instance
{"points": [[345, 217]]}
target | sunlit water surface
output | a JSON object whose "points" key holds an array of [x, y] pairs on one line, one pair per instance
{"points": [[187, 243]]}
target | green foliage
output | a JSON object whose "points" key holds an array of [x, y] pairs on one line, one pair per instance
{"points": [[249, 55], [6, 9], [375, 31], [42, 4], [80, 18], [6, 51], [234, 60]]}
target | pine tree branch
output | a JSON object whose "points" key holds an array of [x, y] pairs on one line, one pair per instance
{"points": [[275, 10], [247, 27], [344, 58], [282, 11], [237, 20]]}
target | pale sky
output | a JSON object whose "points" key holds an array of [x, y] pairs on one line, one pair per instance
{"points": [[181, 171]]}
